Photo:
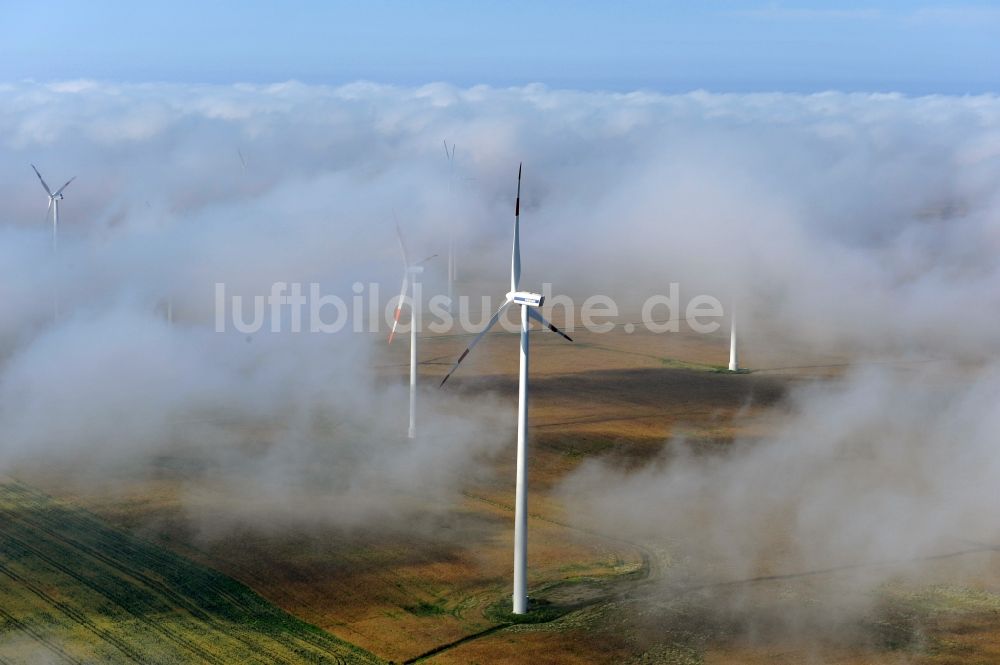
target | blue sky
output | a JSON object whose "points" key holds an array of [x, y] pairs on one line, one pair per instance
{"points": [[720, 45]]}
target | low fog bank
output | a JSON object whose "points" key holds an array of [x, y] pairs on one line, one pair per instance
{"points": [[837, 221], [861, 222], [281, 430], [880, 467]]}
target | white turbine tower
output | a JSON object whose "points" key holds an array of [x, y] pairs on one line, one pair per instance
{"points": [[54, 200], [529, 303], [734, 359], [452, 270], [411, 274]]}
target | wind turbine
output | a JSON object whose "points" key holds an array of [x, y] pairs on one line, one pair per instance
{"points": [[54, 200], [410, 277], [734, 359], [452, 272], [529, 303]]}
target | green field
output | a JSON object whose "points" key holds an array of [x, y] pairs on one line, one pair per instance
{"points": [[73, 589]]}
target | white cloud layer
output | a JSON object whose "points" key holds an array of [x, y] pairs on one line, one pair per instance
{"points": [[839, 221], [868, 220]]}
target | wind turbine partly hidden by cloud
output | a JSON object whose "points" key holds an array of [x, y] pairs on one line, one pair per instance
{"points": [[54, 200], [411, 274], [529, 303], [53, 207]]}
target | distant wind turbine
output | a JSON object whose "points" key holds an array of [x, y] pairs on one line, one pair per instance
{"points": [[410, 277], [529, 303], [734, 359], [54, 200]]}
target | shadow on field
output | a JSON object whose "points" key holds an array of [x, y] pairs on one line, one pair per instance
{"points": [[662, 388]]}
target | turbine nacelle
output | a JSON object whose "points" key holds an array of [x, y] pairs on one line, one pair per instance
{"points": [[525, 298]]}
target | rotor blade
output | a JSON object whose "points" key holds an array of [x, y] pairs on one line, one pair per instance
{"points": [[402, 247], [399, 238], [515, 258], [517, 202], [64, 186], [475, 340], [423, 261], [243, 160], [48, 209], [399, 304], [446, 154], [533, 313], [47, 190]]}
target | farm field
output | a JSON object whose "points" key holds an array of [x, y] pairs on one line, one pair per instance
{"points": [[408, 596], [500, 333], [74, 590]]}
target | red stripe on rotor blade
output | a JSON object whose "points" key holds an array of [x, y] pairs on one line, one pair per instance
{"points": [[392, 333]]}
